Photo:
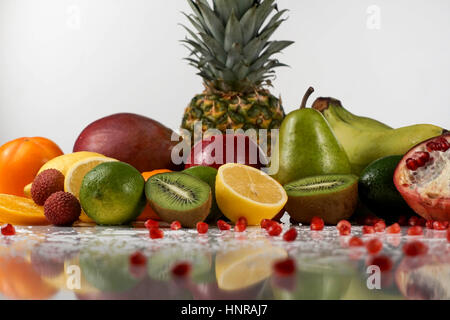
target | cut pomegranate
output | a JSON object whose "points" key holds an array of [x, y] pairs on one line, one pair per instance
{"points": [[422, 178], [383, 262], [222, 225], [344, 227], [150, 224], [415, 248], [202, 227], [380, 226], [176, 225], [374, 246], [284, 268], [138, 259], [317, 224], [156, 233], [240, 227], [438, 225], [355, 242], [290, 235], [274, 230], [415, 231], [368, 230], [181, 269], [8, 230], [394, 229]]}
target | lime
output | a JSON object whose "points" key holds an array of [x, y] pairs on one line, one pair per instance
{"points": [[113, 193]]}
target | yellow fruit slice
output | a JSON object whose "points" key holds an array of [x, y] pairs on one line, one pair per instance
{"points": [[244, 267], [21, 211], [243, 191]]}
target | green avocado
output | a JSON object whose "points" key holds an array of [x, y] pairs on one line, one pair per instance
{"points": [[377, 189]]}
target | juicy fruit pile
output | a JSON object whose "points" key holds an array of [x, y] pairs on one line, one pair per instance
{"points": [[234, 56], [423, 176]]}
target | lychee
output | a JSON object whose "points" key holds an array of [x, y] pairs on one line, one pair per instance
{"points": [[45, 184], [62, 209]]}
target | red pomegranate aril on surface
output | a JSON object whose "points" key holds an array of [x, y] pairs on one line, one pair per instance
{"points": [[415, 231], [415, 248], [138, 259], [383, 262], [290, 235], [266, 223], [317, 224], [413, 221], [274, 230], [344, 227], [176, 225], [8, 230], [156, 233], [356, 242], [243, 221], [150, 224], [394, 229], [374, 246], [202, 227], [181, 269], [223, 226], [284, 268], [380, 226], [422, 222], [240, 227], [438, 225], [448, 235], [368, 230], [403, 221], [429, 224]]}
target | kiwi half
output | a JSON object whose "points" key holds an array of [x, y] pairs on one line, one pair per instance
{"points": [[330, 197], [179, 197]]}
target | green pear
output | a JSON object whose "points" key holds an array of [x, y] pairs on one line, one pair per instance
{"points": [[307, 147]]}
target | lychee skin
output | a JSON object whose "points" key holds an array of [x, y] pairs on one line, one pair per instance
{"points": [[62, 209], [45, 184]]}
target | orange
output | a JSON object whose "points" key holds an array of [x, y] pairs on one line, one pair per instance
{"points": [[20, 161], [148, 212], [21, 211]]}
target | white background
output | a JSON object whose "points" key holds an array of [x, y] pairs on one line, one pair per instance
{"points": [[65, 63]]}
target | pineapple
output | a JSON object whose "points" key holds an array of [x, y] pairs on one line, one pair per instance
{"points": [[234, 56]]}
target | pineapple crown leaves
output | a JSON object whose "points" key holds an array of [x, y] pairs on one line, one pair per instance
{"points": [[230, 42]]}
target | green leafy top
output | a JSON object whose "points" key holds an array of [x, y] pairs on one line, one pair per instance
{"points": [[230, 45]]}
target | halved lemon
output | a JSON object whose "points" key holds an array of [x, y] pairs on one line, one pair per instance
{"points": [[247, 266], [21, 211], [243, 191]]}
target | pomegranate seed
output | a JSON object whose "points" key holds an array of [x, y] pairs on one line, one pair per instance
{"points": [[429, 224], [355, 242], [8, 230], [138, 259], [432, 146], [202, 227], [374, 246], [368, 230], [317, 224], [422, 222], [438, 225], [415, 231], [415, 248], [181, 269], [275, 230], [412, 164], [290, 235], [266, 223], [394, 229], [448, 235], [176, 225], [240, 227], [383, 262], [284, 267], [344, 227], [422, 158], [222, 225], [403, 221], [370, 220], [380, 226], [156, 233], [242, 220], [413, 221], [150, 224]]}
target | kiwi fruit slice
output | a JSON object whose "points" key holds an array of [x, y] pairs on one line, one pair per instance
{"points": [[177, 196], [330, 197]]}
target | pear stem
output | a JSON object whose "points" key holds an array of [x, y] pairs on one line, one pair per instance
{"points": [[306, 97]]}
